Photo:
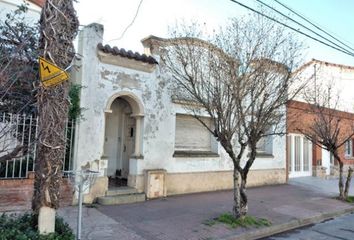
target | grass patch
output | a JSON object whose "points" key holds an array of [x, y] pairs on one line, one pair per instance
{"points": [[350, 199], [245, 222]]}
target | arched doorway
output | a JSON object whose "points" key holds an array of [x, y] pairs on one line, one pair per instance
{"points": [[122, 137]]}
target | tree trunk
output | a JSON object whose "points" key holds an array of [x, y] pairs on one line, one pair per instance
{"points": [[244, 199], [236, 210], [244, 173], [347, 183], [340, 183]]}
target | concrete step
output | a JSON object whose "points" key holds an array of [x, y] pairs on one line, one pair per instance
{"points": [[121, 199], [121, 191]]}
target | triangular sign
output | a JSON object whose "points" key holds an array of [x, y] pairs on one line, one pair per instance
{"points": [[51, 74]]}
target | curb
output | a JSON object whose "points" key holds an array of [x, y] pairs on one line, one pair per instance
{"points": [[269, 231]]}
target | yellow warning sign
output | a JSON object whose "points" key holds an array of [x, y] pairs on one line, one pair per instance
{"points": [[50, 74]]}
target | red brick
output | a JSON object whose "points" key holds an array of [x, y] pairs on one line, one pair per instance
{"points": [[16, 194], [299, 116]]}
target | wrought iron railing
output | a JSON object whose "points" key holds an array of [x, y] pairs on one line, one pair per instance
{"points": [[21, 131]]}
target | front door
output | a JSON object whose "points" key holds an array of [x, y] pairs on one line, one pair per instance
{"points": [[326, 161], [128, 144], [299, 156]]}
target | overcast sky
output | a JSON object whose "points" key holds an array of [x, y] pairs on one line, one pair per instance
{"points": [[154, 17]]}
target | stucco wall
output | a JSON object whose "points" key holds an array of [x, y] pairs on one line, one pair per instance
{"points": [[152, 88], [319, 74]]}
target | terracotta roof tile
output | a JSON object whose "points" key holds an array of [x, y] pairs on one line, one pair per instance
{"points": [[40, 3], [127, 54]]}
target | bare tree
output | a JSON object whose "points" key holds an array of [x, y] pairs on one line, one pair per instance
{"points": [[329, 128], [240, 77], [18, 75], [58, 28]]}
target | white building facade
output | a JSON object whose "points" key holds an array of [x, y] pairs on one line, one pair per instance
{"points": [[133, 129]]}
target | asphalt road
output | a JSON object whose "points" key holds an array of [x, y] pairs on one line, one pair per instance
{"points": [[339, 228]]}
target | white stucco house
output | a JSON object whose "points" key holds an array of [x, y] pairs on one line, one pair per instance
{"points": [[133, 129]]}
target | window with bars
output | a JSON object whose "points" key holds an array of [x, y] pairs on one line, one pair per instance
{"points": [[349, 148]]}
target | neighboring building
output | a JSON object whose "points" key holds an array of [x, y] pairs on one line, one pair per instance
{"points": [[340, 78], [303, 157], [133, 129]]}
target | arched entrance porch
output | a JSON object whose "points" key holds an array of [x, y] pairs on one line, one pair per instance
{"points": [[123, 136]]}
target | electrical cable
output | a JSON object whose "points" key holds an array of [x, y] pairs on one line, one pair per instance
{"points": [[296, 30], [300, 24], [308, 21], [130, 24]]}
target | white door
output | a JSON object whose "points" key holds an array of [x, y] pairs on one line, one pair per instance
{"points": [[299, 156], [326, 161], [129, 141], [112, 141], [118, 147]]}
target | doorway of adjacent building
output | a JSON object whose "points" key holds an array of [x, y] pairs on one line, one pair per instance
{"points": [[119, 142], [326, 161], [299, 155]]}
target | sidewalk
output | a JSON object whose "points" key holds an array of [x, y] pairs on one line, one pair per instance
{"points": [[326, 186], [182, 217]]}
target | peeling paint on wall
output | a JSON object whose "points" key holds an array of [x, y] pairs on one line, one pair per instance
{"points": [[121, 79]]}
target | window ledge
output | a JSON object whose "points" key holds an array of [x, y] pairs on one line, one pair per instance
{"points": [[264, 155], [194, 154]]}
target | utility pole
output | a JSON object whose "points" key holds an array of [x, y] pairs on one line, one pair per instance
{"points": [[58, 28]]}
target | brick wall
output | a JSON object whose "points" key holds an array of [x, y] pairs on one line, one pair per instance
{"points": [[16, 194], [299, 116]]}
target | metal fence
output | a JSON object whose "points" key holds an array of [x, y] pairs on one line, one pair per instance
{"points": [[21, 131]]}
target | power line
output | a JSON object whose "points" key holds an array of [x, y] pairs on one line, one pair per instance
{"points": [[130, 24], [319, 28], [335, 44], [294, 29]]}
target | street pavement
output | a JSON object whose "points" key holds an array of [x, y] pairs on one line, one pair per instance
{"points": [[341, 228], [183, 217]]}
